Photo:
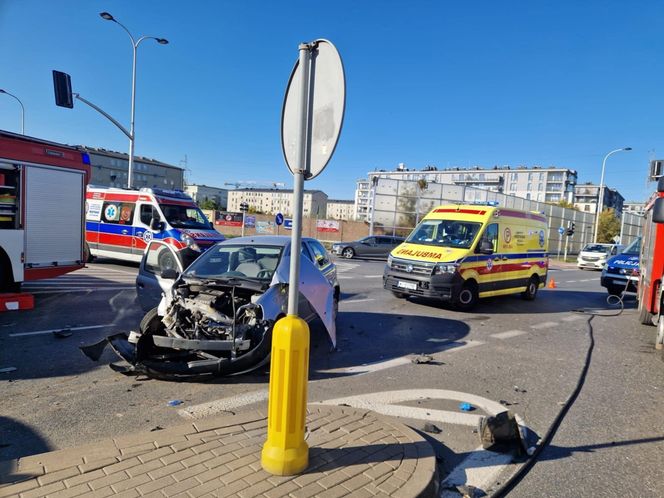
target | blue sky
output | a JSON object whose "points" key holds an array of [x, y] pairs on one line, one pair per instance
{"points": [[428, 83]]}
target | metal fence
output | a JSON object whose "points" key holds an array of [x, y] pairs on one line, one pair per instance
{"points": [[398, 205]]}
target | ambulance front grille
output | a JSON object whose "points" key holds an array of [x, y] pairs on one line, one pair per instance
{"points": [[417, 268]]}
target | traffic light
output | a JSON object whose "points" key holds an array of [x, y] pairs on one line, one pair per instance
{"points": [[62, 88], [244, 207], [570, 229]]}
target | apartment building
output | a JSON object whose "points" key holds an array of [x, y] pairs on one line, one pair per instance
{"points": [[586, 195], [340, 209], [274, 201], [637, 208], [201, 193], [110, 169], [537, 183]]}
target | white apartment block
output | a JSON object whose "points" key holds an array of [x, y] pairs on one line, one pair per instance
{"points": [[538, 183], [202, 193], [586, 195], [637, 208], [272, 201], [340, 210]]}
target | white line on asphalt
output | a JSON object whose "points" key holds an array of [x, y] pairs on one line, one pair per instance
{"points": [[448, 345], [587, 280], [105, 268], [508, 334], [347, 301], [343, 277], [223, 405], [571, 281], [544, 325], [573, 318], [76, 289], [373, 276], [43, 332], [480, 469]]}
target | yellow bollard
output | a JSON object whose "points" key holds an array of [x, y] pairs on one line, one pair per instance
{"points": [[285, 452]]}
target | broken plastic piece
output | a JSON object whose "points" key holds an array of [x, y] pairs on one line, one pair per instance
{"points": [[466, 407], [175, 402], [422, 358], [519, 390]]}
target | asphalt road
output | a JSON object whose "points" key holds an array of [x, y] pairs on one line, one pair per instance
{"points": [[527, 355]]}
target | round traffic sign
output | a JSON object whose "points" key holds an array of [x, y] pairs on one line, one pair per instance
{"points": [[561, 230], [279, 219], [326, 109]]}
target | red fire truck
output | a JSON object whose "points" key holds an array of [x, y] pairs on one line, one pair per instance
{"points": [[42, 202], [651, 265]]}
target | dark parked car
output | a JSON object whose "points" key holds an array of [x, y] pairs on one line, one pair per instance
{"points": [[378, 246]]}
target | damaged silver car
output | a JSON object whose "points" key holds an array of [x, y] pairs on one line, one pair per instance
{"points": [[216, 317]]}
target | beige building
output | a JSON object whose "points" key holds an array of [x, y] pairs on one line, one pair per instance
{"points": [[201, 193], [537, 183], [340, 210], [586, 195], [272, 201], [109, 169]]}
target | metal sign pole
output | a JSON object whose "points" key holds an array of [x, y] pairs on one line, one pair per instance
{"points": [[243, 215]]}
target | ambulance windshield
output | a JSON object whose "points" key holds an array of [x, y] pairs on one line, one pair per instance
{"points": [[185, 216], [445, 233]]}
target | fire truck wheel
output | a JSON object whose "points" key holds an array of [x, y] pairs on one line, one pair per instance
{"points": [[659, 336], [645, 317]]}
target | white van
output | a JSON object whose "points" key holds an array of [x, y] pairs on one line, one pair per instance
{"points": [[594, 256]]}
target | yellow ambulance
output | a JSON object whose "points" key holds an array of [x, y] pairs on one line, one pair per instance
{"points": [[460, 253]]}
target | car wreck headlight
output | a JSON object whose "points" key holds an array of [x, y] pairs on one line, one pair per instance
{"points": [[445, 268], [191, 243], [389, 261]]}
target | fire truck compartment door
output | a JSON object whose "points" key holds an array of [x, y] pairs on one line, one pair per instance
{"points": [[53, 216]]}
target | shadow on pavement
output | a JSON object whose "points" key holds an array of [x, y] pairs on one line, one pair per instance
{"points": [[18, 440]]}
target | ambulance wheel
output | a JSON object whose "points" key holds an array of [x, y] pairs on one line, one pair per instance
{"points": [[87, 255], [468, 296], [348, 253], [531, 289]]}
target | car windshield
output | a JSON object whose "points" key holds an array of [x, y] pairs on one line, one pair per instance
{"points": [[445, 233], [634, 249], [228, 261], [185, 216], [596, 248]]}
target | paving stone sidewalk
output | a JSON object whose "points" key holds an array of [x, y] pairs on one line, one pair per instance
{"points": [[352, 453]]}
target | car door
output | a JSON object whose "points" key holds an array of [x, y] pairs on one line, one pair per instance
{"points": [[150, 286], [489, 275], [385, 246], [367, 247], [142, 233]]}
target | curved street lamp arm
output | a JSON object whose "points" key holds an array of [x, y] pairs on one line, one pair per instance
{"points": [[103, 113]]}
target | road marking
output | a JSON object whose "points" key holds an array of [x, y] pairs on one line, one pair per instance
{"points": [[356, 300], [587, 280], [223, 405], [448, 345], [508, 334], [78, 289], [571, 281], [373, 276], [481, 468], [544, 325], [573, 318], [43, 332]]}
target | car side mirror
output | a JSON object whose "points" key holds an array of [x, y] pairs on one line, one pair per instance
{"points": [[169, 274], [156, 224], [486, 247], [658, 211]]}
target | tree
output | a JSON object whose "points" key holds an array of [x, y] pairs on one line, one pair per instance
{"points": [[209, 204], [609, 226], [565, 204]]}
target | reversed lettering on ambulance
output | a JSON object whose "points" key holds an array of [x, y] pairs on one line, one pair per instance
{"points": [[420, 254]]}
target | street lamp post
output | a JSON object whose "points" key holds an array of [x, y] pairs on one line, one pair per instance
{"points": [[134, 43], [22, 110], [600, 198]]}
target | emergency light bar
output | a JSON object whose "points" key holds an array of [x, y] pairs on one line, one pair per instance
{"points": [[177, 194]]}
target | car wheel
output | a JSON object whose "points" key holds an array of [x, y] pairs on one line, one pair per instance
{"points": [[468, 296], [531, 290], [348, 253], [151, 323], [615, 290]]}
